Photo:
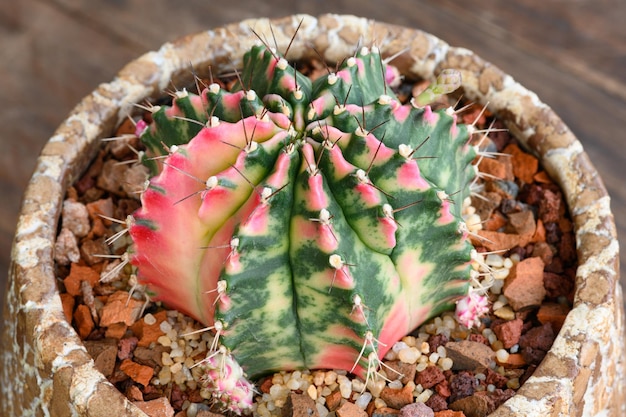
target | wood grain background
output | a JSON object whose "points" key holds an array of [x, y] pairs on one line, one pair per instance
{"points": [[52, 53]]}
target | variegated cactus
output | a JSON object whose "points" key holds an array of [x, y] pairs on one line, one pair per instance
{"points": [[311, 224]]}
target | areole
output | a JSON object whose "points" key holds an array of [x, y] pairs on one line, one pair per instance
{"points": [[50, 370]]}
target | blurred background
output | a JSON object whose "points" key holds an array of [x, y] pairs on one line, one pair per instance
{"points": [[572, 53]]}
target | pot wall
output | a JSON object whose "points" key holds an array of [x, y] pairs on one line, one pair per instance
{"points": [[47, 370]]}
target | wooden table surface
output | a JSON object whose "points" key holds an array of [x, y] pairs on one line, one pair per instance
{"points": [[52, 53]]}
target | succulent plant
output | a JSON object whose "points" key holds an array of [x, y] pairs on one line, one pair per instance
{"points": [[311, 224]]}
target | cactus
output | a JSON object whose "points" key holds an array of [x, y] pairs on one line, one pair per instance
{"points": [[311, 224]]}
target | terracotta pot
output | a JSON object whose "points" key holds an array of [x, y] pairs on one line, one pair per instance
{"points": [[47, 371]]}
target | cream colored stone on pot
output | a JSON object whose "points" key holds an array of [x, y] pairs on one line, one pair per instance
{"points": [[45, 368]]}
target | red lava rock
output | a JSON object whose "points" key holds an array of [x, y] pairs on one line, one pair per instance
{"points": [[112, 178], [385, 412], [68, 302], [133, 393], [495, 241], [499, 396], [443, 389], [495, 379], [405, 371], [549, 207], [159, 407], [116, 330], [301, 405], [542, 250], [177, 397], [567, 248], [437, 402], [536, 342], [557, 285], [149, 333], [84, 321], [75, 218], [495, 222], [416, 410], [349, 409], [138, 373], [468, 355], [90, 249], [485, 207], [265, 386], [429, 377], [554, 314], [436, 340], [333, 400], [540, 233], [66, 248], [120, 309], [525, 166], [449, 413], [473, 405], [102, 207], [506, 189], [477, 337], [493, 167], [542, 177], [397, 397], [104, 353], [508, 332], [514, 361], [125, 348], [524, 225], [79, 273], [524, 285], [149, 356], [462, 385]]}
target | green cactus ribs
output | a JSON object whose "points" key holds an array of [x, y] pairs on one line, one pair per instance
{"points": [[311, 223]]}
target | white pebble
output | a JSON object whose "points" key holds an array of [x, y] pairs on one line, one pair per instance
{"points": [[330, 377], [176, 368], [358, 385], [345, 388], [397, 384], [149, 319], [421, 366], [409, 355], [379, 403], [502, 355], [501, 273], [399, 346], [164, 341], [363, 400], [446, 364], [318, 378], [424, 396], [312, 392], [323, 411], [441, 351], [494, 260], [165, 326], [433, 358], [166, 359], [293, 384]]}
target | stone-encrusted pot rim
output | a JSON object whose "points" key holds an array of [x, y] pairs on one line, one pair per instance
{"points": [[50, 367]]}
